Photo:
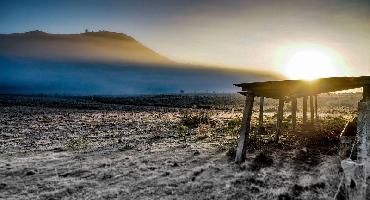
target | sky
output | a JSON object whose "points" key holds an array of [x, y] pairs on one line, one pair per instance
{"points": [[240, 33]]}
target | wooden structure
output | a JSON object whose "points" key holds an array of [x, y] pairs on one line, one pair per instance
{"points": [[290, 90]]}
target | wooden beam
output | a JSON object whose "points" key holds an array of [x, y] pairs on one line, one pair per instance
{"points": [[260, 125], [304, 102], [280, 116], [244, 130], [294, 113], [300, 88], [312, 109], [316, 114]]}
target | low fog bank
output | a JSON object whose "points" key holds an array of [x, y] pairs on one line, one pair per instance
{"points": [[96, 63], [31, 76]]}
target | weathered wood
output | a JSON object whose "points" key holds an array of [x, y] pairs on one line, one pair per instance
{"points": [[304, 102], [260, 125], [244, 130], [312, 109], [294, 113], [280, 116], [355, 183], [316, 107], [300, 88]]}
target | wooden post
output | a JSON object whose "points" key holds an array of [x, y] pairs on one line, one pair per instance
{"points": [[312, 110], [280, 116], [294, 113], [317, 116], [304, 109], [244, 130], [366, 93], [260, 125]]}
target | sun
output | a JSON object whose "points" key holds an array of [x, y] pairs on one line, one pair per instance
{"points": [[309, 62]]}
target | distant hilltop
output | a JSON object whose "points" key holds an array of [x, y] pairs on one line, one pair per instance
{"points": [[101, 46], [101, 33]]}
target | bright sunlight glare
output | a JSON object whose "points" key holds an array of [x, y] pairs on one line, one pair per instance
{"points": [[309, 64], [309, 61]]}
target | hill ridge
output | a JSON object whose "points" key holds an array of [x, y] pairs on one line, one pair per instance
{"points": [[88, 46]]}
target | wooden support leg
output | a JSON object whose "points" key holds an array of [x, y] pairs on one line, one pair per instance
{"points": [[279, 118], [304, 110], [316, 115], [366, 93], [260, 125], [312, 110], [294, 113], [244, 130]]}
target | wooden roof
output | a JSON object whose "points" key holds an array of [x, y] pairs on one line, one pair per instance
{"points": [[300, 88]]}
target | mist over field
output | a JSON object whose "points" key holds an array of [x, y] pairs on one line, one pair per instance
{"points": [[26, 76], [103, 63]]}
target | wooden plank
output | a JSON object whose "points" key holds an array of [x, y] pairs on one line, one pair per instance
{"points": [[244, 130], [312, 109], [304, 102], [280, 116], [294, 113], [260, 125]]}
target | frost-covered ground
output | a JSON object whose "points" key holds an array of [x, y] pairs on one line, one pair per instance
{"points": [[129, 152]]}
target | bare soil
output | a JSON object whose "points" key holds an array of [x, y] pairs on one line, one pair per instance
{"points": [[115, 151]]}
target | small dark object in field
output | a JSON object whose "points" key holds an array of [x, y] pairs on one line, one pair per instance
{"points": [[152, 168], [261, 161], [58, 149], [175, 164], [196, 153], [29, 173], [166, 173]]}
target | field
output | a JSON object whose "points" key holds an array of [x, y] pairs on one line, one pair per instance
{"points": [[165, 147]]}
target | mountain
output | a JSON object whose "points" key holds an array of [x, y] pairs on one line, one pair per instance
{"points": [[102, 46], [104, 63]]}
